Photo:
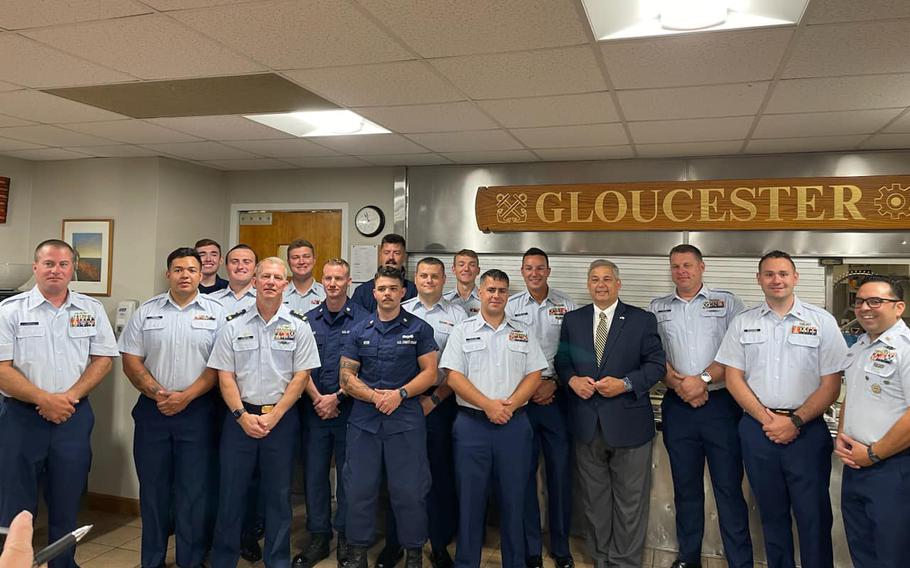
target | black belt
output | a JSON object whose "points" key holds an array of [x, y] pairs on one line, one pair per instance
{"points": [[31, 406], [480, 414], [259, 408]]}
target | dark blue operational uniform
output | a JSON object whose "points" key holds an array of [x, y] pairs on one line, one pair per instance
{"points": [[551, 431], [395, 443], [264, 356], [325, 439], [691, 332], [174, 455], [875, 500], [363, 294], [783, 360], [492, 457], [51, 348]]}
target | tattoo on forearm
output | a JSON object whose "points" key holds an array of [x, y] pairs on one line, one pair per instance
{"points": [[351, 383]]}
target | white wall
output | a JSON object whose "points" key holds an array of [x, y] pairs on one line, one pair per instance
{"points": [[14, 238]]}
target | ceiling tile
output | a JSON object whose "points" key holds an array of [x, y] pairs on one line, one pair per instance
{"points": [[295, 34], [525, 73], [4, 86], [428, 118], [31, 64], [438, 29], [840, 93], [12, 121], [722, 148], [826, 11], [285, 148], [251, 164], [809, 144], [407, 160], [115, 151], [51, 136], [328, 162], [132, 132], [409, 82], [692, 102], [592, 153], [466, 141], [900, 125], [885, 141], [201, 151], [851, 49], [17, 15], [10, 144], [377, 144], [497, 157], [568, 136], [167, 5], [47, 154], [696, 130], [823, 123], [695, 59], [586, 108], [221, 127], [149, 47], [41, 107]]}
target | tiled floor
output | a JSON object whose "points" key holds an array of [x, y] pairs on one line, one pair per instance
{"points": [[115, 540]]}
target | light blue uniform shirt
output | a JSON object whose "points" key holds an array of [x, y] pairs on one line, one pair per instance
{"points": [[494, 360], [691, 331], [51, 346], [175, 342], [878, 383], [784, 358], [443, 316], [264, 355], [231, 303], [543, 319], [471, 305], [304, 302]]}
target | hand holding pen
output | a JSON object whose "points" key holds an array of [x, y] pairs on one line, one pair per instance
{"points": [[18, 552]]}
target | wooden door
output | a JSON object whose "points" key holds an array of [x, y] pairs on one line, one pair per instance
{"points": [[322, 228]]}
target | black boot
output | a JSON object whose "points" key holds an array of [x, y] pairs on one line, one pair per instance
{"points": [[414, 558], [357, 557], [389, 557], [249, 548], [441, 559], [341, 553], [316, 550]]}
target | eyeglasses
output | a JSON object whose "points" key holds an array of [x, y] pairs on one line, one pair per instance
{"points": [[871, 302]]}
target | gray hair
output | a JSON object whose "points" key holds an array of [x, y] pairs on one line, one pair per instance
{"points": [[603, 262], [271, 260]]}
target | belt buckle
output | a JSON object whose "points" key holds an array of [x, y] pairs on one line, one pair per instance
{"points": [[266, 408]]}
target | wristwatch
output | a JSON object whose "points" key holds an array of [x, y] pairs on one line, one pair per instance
{"points": [[627, 384], [872, 457], [403, 393], [238, 413], [797, 421], [706, 376]]}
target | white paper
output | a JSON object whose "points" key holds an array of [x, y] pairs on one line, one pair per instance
{"points": [[363, 262]]}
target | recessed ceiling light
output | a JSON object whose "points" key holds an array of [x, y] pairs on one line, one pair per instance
{"points": [[622, 19], [319, 123]]}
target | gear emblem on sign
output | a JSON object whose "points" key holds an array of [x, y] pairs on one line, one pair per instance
{"points": [[512, 208], [893, 201]]}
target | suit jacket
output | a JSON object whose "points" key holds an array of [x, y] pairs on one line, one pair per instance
{"points": [[633, 350]]}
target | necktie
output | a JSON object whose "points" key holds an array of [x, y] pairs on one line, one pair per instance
{"points": [[600, 338]]}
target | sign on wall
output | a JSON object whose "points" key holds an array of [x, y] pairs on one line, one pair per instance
{"points": [[831, 203], [4, 198]]}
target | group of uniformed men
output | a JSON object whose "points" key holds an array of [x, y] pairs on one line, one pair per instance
{"points": [[368, 382]]}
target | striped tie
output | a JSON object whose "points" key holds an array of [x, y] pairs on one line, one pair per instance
{"points": [[600, 338]]}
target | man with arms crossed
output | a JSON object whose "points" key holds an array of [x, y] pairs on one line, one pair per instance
{"points": [[874, 434], [700, 417], [304, 293], [494, 366], [783, 362], [56, 346], [465, 267], [165, 348]]}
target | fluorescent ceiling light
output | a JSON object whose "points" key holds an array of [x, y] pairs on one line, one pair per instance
{"points": [[623, 19], [319, 123]]}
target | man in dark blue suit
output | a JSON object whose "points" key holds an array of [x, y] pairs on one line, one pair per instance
{"points": [[610, 356]]}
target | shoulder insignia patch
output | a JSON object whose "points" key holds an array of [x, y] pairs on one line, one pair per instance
{"points": [[235, 315], [299, 315]]}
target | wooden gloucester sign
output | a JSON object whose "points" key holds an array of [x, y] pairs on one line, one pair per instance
{"points": [[834, 203]]}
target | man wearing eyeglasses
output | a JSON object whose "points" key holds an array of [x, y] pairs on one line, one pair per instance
{"points": [[873, 437], [783, 362]]}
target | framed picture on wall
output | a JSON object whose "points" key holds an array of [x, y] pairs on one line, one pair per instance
{"points": [[93, 241]]}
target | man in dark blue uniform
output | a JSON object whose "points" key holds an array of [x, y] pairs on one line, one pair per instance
{"points": [[210, 253], [387, 360], [325, 410], [392, 252]]}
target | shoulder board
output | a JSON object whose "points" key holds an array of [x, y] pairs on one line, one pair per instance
{"points": [[235, 315], [299, 315], [17, 298]]}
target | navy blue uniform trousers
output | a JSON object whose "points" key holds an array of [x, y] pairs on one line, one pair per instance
{"points": [[442, 502], [240, 454], [321, 443], [403, 457], [797, 476], [174, 458], [491, 457], [35, 450], [875, 503], [691, 435], [551, 434]]}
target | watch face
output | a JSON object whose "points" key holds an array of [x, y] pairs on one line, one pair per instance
{"points": [[369, 221]]}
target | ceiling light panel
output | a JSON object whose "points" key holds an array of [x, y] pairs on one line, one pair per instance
{"points": [[319, 123]]}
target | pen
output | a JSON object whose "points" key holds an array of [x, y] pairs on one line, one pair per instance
{"points": [[55, 549]]}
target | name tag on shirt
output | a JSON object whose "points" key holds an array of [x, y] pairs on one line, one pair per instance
{"points": [[407, 339]]}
